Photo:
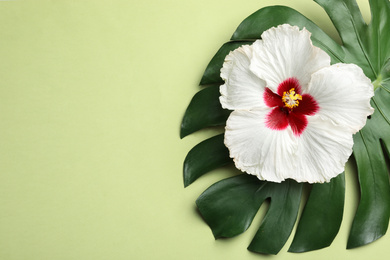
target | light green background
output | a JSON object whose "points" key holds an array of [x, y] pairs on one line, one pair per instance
{"points": [[91, 98]]}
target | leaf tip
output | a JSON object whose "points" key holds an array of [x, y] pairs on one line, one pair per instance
{"points": [[202, 81], [355, 241], [183, 127], [186, 182], [182, 133], [295, 249], [262, 252]]}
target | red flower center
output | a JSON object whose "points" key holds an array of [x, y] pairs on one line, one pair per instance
{"points": [[290, 107]]}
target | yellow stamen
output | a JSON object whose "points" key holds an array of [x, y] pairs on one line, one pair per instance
{"points": [[291, 98]]}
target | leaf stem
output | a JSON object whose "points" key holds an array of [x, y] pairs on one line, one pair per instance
{"points": [[378, 82]]}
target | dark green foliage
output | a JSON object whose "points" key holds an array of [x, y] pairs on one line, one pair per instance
{"points": [[230, 205]]}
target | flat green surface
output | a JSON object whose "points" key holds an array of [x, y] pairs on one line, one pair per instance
{"points": [[92, 94]]}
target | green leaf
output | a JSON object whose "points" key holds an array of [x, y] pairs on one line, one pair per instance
{"points": [[346, 17], [377, 39], [230, 205], [368, 46], [321, 217], [365, 45], [253, 26], [204, 157], [351, 27], [280, 218], [372, 216], [204, 110], [213, 70], [378, 34]]}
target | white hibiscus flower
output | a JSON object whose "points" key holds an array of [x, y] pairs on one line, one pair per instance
{"points": [[294, 114]]}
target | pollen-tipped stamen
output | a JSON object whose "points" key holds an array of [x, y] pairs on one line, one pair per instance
{"points": [[290, 98]]}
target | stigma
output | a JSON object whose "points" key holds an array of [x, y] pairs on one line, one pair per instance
{"points": [[291, 99]]}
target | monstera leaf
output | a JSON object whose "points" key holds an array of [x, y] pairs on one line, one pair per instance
{"points": [[230, 205]]}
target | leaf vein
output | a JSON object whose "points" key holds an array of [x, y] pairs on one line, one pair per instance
{"points": [[360, 41], [324, 47], [384, 88], [371, 166], [381, 111]]}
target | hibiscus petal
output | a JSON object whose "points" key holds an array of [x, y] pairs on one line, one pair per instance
{"points": [[343, 94], [297, 122], [277, 119], [271, 99], [242, 88], [285, 52], [307, 106], [257, 149], [287, 85], [323, 150]]}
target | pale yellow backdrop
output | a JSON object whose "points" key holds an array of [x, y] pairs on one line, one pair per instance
{"points": [[91, 98]]}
